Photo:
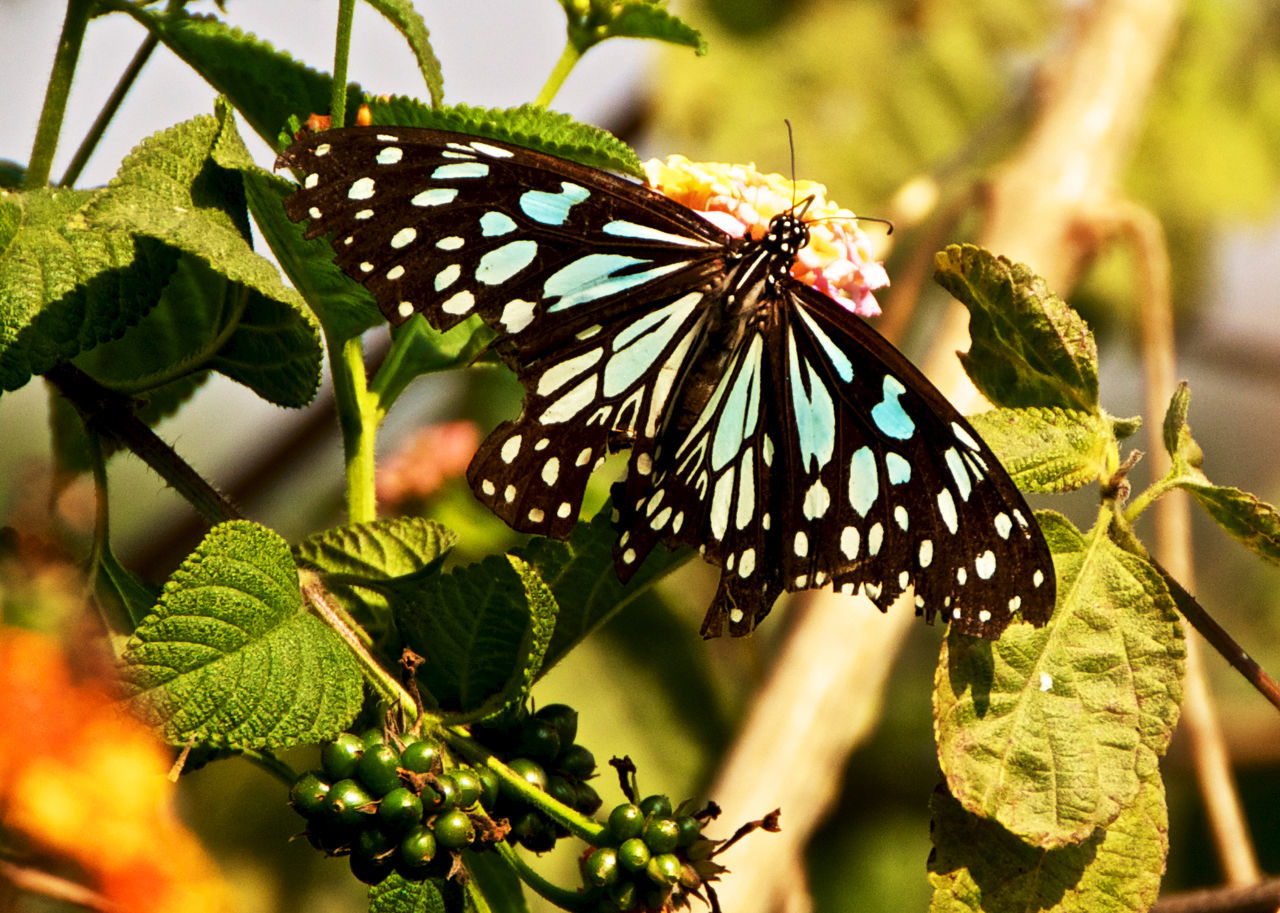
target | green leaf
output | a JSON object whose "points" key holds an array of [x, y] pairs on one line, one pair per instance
{"points": [[344, 307], [1174, 427], [528, 125], [979, 866], [418, 348], [483, 631], [1125, 427], [497, 881], [372, 553], [231, 657], [580, 572], [431, 895], [409, 23], [1253, 523], [205, 322], [1050, 731], [1029, 347], [182, 186], [1048, 450], [67, 282], [364, 562], [265, 85], [598, 20]]}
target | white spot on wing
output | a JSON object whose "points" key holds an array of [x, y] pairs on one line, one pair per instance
{"points": [[816, 500], [850, 540]]}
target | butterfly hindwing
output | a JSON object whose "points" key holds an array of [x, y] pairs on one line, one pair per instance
{"points": [[593, 394]]}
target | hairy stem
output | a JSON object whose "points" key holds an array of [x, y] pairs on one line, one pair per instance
{"points": [[341, 53], [111, 415], [59, 88], [568, 60]]}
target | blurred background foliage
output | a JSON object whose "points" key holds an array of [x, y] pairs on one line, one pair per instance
{"points": [[902, 107]]}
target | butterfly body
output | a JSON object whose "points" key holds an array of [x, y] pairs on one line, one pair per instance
{"points": [[768, 426]]}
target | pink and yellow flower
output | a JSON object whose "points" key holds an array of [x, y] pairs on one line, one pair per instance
{"points": [[838, 261]]}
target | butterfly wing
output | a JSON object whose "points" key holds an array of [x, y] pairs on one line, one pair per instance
{"points": [[824, 456], [596, 285], [448, 225]]}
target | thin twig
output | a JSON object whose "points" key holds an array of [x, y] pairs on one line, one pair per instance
{"points": [[1223, 642], [1258, 898]]}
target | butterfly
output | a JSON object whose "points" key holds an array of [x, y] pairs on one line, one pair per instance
{"points": [[768, 426]]}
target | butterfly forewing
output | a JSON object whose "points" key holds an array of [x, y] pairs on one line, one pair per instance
{"points": [[769, 427], [449, 225]]}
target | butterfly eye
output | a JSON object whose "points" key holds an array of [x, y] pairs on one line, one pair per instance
{"points": [[767, 426]]}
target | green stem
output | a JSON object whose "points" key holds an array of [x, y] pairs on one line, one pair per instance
{"points": [[1148, 495], [337, 619], [271, 764], [341, 54], [579, 825], [358, 416], [125, 83], [561, 897], [55, 97], [569, 58]]}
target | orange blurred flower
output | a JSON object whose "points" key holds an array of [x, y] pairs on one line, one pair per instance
{"points": [[81, 781]]}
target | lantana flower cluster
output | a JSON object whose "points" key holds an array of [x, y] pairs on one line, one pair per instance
{"points": [[838, 260]]}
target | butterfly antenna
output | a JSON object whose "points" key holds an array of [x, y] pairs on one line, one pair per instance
{"points": [[791, 144], [885, 222]]}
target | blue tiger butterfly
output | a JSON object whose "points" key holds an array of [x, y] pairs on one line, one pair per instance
{"points": [[768, 426]]}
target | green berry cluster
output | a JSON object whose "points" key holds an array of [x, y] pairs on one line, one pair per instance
{"points": [[541, 750], [391, 805], [646, 858]]}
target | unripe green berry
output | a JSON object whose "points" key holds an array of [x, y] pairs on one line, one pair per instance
{"points": [[601, 867], [340, 756], [634, 854], [626, 821], [661, 835]]}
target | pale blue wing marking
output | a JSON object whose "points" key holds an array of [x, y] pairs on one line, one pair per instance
{"points": [[638, 347], [552, 208], [624, 229], [591, 277], [864, 480], [460, 170], [741, 409], [493, 224], [815, 413], [437, 196], [899, 469], [889, 415], [839, 360], [958, 472], [500, 264]]}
